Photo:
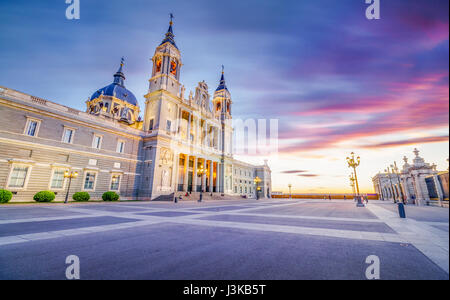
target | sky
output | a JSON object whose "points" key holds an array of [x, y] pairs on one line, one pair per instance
{"points": [[335, 81]]}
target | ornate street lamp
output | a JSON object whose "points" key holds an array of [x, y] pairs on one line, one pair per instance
{"points": [[396, 172], [352, 184], [353, 163], [388, 171], [201, 171], [257, 180], [290, 192], [69, 175]]}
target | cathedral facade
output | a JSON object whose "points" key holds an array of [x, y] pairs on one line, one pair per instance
{"points": [[182, 145]]}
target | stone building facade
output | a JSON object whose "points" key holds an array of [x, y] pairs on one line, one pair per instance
{"points": [[418, 183], [183, 143]]}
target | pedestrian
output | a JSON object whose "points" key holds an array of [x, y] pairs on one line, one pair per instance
{"points": [[329, 197], [201, 197], [345, 197], [367, 199]]}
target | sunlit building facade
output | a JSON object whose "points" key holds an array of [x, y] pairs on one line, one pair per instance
{"points": [[418, 183]]}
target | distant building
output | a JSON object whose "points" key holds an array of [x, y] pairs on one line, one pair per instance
{"points": [[182, 144], [417, 183]]}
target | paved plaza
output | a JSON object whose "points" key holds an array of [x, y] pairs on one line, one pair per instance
{"points": [[246, 239]]}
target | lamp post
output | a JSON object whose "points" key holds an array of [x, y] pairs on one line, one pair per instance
{"points": [[353, 163], [290, 192], [257, 180], [388, 171], [352, 184], [395, 171], [200, 171], [69, 175]]}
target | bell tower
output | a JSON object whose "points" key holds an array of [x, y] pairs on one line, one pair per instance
{"points": [[166, 65], [222, 100]]}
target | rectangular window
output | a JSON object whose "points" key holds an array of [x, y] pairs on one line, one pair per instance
{"points": [[32, 127], [120, 146], [68, 136], [150, 127], [18, 177], [115, 181], [168, 125], [89, 181], [58, 179], [97, 142]]}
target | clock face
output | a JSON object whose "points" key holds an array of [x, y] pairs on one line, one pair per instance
{"points": [[173, 68], [158, 65]]}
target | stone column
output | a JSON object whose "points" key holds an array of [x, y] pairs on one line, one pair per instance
{"points": [[176, 162], [197, 131], [205, 130], [194, 176], [186, 168], [419, 193], [406, 189], [189, 128], [218, 174], [438, 189], [204, 176], [211, 175]]}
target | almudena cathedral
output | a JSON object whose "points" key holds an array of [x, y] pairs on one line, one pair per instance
{"points": [[181, 145]]}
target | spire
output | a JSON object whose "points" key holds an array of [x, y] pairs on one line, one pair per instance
{"points": [[169, 35], [119, 77], [222, 85]]}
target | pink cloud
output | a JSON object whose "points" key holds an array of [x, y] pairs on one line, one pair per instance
{"points": [[422, 140]]}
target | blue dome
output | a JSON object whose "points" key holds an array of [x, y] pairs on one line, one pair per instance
{"points": [[117, 89]]}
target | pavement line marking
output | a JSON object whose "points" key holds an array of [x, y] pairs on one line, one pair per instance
{"points": [[305, 217], [432, 245], [349, 234], [8, 240]]}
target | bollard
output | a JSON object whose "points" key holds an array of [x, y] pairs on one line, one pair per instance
{"points": [[401, 210]]}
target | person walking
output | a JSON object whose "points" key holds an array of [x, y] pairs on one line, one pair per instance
{"points": [[329, 197], [201, 197]]}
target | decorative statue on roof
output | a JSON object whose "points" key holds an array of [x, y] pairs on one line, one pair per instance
{"points": [[183, 89]]}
